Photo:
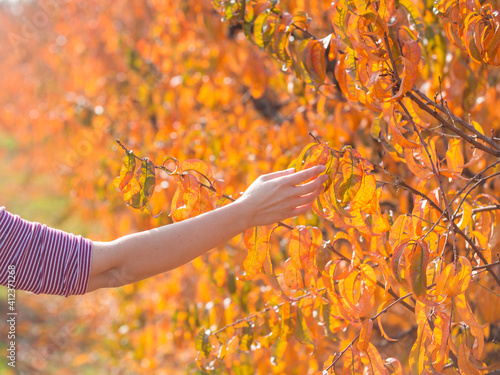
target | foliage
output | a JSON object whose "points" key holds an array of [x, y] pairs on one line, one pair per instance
{"points": [[395, 270]]}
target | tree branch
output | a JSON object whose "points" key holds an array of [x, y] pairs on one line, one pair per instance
{"points": [[493, 151], [462, 122]]}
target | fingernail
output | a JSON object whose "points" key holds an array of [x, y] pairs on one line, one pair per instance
{"points": [[322, 168]]}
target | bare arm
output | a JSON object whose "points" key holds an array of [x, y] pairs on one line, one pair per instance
{"points": [[271, 198]]}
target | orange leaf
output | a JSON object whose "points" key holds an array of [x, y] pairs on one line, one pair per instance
{"points": [[454, 156], [365, 334], [376, 364], [464, 364], [288, 321], [401, 231], [418, 351], [418, 259], [352, 362], [408, 78], [269, 272], [365, 193], [415, 167], [441, 333], [394, 366], [299, 247], [294, 278], [126, 172], [463, 309], [396, 259], [352, 176], [257, 243], [449, 283], [314, 61]]}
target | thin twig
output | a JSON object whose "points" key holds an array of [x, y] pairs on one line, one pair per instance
{"points": [[462, 122], [486, 266], [436, 173], [488, 289], [425, 106]]}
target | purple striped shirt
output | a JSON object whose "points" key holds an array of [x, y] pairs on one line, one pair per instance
{"points": [[46, 260]]}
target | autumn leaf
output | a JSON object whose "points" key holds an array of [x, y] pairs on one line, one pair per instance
{"points": [[146, 178], [257, 243], [294, 278], [299, 247], [419, 260], [302, 332], [288, 321], [352, 362], [126, 172], [314, 61], [365, 334]]}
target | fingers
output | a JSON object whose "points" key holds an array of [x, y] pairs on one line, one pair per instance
{"points": [[305, 199], [270, 176], [310, 186], [301, 210], [304, 175]]}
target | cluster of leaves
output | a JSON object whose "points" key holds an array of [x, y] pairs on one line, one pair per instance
{"points": [[380, 52], [351, 201], [472, 26], [137, 185], [342, 290]]}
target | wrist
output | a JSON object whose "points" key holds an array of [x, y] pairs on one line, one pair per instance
{"points": [[243, 214]]}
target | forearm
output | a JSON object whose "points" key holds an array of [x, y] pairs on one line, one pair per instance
{"points": [[270, 199], [145, 254]]}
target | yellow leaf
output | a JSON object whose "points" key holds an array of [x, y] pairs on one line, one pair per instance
{"points": [[257, 243]]}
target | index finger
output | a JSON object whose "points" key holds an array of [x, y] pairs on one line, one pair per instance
{"points": [[302, 176]]}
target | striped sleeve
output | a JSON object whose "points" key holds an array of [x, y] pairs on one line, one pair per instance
{"points": [[46, 260]]}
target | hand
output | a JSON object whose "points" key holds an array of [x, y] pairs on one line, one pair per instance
{"points": [[277, 196]]}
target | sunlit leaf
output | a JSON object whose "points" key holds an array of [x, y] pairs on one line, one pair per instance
{"points": [[288, 320], [314, 61], [126, 172], [294, 278], [419, 260], [365, 334], [299, 247], [352, 362], [376, 364], [454, 156], [257, 244], [146, 177]]}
